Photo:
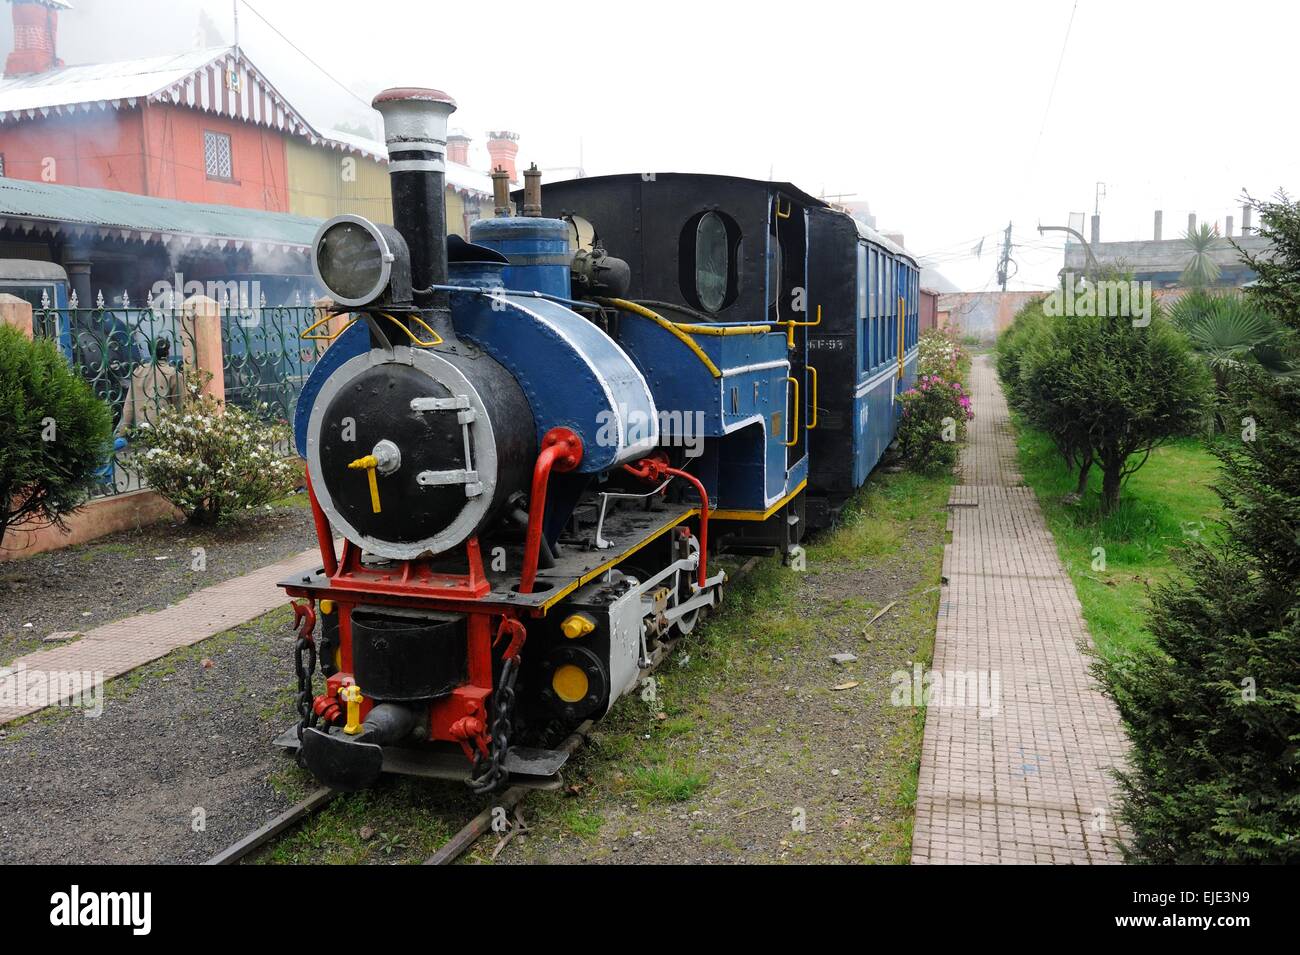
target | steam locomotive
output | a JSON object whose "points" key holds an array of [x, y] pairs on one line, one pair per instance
{"points": [[534, 443]]}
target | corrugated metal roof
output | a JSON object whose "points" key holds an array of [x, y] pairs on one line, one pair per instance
{"points": [[107, 212], [96, 82], [220, 80], [196, 79], [871, 235]]}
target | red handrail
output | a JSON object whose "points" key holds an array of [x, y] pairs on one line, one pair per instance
{"points": [[561, 451], [655, 468]]}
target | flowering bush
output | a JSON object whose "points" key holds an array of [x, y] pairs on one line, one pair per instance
{"points": [[934, 419], [940, 353], [210, 459]]}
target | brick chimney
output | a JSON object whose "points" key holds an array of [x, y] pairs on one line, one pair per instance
{"points": [[503, 146], [458, 148], [36, 27]]}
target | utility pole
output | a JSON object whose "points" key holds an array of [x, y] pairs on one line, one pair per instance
{"points": [[1005, 260]]}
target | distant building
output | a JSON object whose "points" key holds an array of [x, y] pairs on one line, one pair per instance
{"points": [[1161, 260], [204, 127], [982, 315]]}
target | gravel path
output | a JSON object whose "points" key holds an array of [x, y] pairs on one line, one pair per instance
{"points": [[186, 738], [135, 572]]}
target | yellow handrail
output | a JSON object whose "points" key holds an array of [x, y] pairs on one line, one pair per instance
{"points": [[812, 423], [791, 325], [795, 430], [635, 309], [788, 208], [411, 335], [724, 330], [324, 338]]}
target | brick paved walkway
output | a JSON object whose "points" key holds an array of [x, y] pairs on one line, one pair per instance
{"points": [[117, 648], [1028, 780]]}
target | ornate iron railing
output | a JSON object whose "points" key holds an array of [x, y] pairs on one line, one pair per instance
{"points": [[139, 359]]}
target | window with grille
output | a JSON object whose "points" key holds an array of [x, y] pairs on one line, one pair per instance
{"points": [[2, 165], [216, 155]]}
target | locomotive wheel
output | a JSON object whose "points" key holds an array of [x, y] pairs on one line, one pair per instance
{"points": [[686, 623]]}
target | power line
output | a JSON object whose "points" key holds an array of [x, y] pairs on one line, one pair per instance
{"points": [[1051, 94], [341, 85]]}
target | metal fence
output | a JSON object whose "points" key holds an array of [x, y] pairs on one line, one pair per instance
{"points": [[139, 360]]}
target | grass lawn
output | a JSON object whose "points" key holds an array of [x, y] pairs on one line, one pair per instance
{"points": [[1167, 502]]}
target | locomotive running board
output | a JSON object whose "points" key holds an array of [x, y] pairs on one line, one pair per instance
{"points": [[529, 767]]}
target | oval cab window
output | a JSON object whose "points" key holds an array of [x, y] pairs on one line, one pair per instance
{"points": [[712, 267]]}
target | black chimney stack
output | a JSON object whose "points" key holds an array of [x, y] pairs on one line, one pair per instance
{"points": [[415, 129]]}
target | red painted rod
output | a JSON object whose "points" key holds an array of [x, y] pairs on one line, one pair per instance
{"points": [[324, 536], [561, 451], [654, 469]]}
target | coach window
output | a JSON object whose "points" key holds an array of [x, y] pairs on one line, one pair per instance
{"points": [[916, 307], [884, 308], [893, 309], [875, 308], [863, 324], [871, 307]]}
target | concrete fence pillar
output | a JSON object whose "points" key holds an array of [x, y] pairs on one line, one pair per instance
{"points": [[1160, 216], [201, 343], [16, 312]]}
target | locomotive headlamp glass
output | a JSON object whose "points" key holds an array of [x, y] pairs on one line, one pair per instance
{"points": [[352, 259]]}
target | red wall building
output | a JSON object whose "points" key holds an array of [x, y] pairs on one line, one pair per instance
{"points": [[203, 126], [182, 147]]}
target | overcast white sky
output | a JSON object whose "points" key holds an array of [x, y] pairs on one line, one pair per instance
{"points": [[934, 111]]}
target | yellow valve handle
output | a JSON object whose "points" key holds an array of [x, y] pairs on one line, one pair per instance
{"points": [[351, 695], [368, 464]]}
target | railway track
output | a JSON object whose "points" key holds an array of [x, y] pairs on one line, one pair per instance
{"points": [[468, 834]]}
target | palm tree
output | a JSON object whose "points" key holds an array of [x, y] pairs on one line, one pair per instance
{"points": [[1201, 269], [1228, 331]]}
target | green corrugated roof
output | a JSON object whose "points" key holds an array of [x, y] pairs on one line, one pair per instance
{"points": [[106, 209]]}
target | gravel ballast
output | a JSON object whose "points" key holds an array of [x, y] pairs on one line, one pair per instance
{"points": [[178, 766]]}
